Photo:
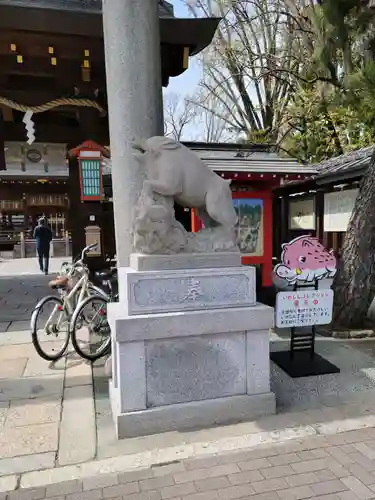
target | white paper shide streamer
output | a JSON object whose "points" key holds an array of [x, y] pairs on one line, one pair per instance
{"points": [[30, 129]]}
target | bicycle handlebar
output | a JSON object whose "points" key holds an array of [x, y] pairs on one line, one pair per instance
{"points": [[87, 249]]}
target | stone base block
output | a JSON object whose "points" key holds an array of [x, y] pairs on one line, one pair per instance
{"points": [[142, 262], [192, 415], [153, 292]]}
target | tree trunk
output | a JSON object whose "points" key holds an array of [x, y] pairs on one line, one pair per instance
{"points": [[354, 284]]}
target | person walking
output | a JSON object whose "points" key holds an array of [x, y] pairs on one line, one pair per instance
{"points": [[43, 238]]}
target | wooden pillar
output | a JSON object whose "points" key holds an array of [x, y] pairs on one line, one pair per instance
{"points": [[2, 137], [284, 219], [74, 219], [319, 215], [90, 129]]}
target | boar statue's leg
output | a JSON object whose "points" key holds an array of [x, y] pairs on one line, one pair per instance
{"points": [[206, 219], [165, 189]]}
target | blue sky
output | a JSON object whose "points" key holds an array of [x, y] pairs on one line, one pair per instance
{"points": [[188, 81]]}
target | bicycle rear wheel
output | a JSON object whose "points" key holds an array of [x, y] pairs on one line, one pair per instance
{"points": [[89, 328], [50, 328]]}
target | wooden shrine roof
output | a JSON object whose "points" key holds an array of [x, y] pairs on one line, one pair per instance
{"points": [[349, 166], [245, 158], [60, 20]]}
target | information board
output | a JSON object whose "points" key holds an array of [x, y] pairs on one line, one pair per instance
{"points": [[304, 308], [91, 179], [338, 208]]}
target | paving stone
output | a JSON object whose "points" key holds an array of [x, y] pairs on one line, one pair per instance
{"points": [[85, 495], [366, 450], [31, 387], [324, 475], [32, 494], [196, 475], [179, 490], [78, 372], [303, 479], [27, 463], [10, 368], [33, 411], [359, 459], [298, 493], [8, 483], [207, 495], [358, 488], [4, 325], [28, 440], [266, 496], [3, 411], [245, 477], [121, 490], [145, 495], [50, 476], [165, 470], [77, 426], [270, 485], [13, 338], [312, 454], [130, 477], [156, 482], [362, 474], [341, 457], [234, 492], [310, 465], [37, 366], [258, 463], [23, 324], [326, 487], [213, 483], [16, 351], [288, 458], [279, 471], [101, 481], [203, 463]]}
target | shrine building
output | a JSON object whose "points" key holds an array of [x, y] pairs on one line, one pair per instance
{"points": [[59, 76]]}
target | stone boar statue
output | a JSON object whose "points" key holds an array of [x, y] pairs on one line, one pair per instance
{"points": [[173, 170]]}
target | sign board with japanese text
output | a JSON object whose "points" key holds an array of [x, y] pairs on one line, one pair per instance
{"points": [[91, 178], [304, 308]]}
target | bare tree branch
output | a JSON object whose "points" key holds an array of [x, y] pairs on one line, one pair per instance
{"points": [[178, 114]]}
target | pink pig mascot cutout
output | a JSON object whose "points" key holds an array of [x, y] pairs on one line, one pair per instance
{"points": [[305, 259]]}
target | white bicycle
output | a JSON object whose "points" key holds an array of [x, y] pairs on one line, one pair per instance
{"points": [[52, 315]]}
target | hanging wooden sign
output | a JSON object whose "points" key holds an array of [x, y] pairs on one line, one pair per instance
{"points": [[91, 175]]}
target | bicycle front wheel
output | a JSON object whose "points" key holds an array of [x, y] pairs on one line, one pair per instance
{"points": [[50, 328], [89, 328]]}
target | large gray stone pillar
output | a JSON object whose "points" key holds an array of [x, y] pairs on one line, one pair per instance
{"points": [[132, 54]]}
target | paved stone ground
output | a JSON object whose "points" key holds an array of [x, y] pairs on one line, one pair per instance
{"points": [[21, 287], [331, 467], [54, 432], [24, 267], [354, 385], [45, 408]]}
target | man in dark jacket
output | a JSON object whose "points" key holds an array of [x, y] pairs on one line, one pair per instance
{"points": [[43, 237]]}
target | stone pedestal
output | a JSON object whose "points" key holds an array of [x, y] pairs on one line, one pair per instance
{"points": [[190, 347]]}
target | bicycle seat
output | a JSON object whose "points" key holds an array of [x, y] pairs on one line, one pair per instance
{"points": [[106, 275], [60, 282]]}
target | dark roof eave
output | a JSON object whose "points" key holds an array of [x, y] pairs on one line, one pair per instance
{"points": [[329, 178], [194, 33], [295, 187], [321, 180]]}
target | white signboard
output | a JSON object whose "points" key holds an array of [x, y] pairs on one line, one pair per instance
{"points": [[302, 214], [338, 208], [304, 308]]}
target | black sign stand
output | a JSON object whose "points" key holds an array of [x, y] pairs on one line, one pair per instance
{"points": [[302, 360]]}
